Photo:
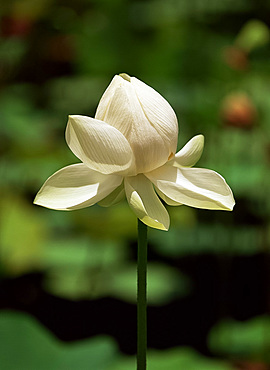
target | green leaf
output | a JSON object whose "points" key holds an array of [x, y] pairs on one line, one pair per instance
{"points": [[21, 235], [79, 268], [246, 340], [213, 238], [163, 283], [172, 359], [25, 344]]}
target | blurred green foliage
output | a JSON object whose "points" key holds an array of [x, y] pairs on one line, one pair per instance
{"points": [[26, 345], [175, 358], [242, 340], [210, 60]]}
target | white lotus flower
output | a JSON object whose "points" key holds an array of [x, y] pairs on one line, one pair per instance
{"points": [[128, 149]]}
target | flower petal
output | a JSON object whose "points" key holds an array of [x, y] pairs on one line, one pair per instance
{"points": [[195, 187], [100, 146], [189, 155], [158, 111], [74, 187], [145, 203], [114, 197], [152, 141], [166, 199], [105, 100]]}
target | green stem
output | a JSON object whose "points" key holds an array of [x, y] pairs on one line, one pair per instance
{"points": [[141, 296]]}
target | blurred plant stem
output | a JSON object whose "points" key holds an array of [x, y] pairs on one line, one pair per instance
{"points": [[142, 296]]}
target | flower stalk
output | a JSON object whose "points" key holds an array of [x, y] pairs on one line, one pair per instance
{"points": [[142, 296]]}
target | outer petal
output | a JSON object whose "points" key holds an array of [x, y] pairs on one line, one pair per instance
{"points": [[74, 187], [158, 111], [145, 203], [105, 100], [113, 198], [166, 199], [189, 155], [100, 146], [195, 187], [152, 140]]}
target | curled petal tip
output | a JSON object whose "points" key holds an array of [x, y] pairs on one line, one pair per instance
{"points": [[231, 207], [145, 203], [189, 155], [125, 76], [154, 224], [201, 136]]}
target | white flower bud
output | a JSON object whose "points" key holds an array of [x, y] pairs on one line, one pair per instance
{"points": [[144, 117]]}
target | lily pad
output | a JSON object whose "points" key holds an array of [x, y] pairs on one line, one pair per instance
{"points": [[25, 344], [172, 359], [164, 283], [241, 339]]}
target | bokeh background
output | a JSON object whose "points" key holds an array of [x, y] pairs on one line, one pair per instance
{"points": [[68, 279]]}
